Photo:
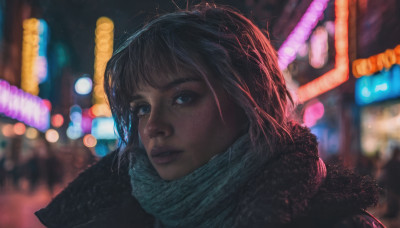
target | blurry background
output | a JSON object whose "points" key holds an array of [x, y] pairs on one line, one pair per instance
{"points": [[340, 58]]}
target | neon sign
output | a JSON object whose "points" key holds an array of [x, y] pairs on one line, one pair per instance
{"points": [[340, 73], [23, 106], [103, 128], [34, 60], [313, 113], [319, 48], [103, 52], [373, 64], [381, 86], [287, 52], [41, 63]]}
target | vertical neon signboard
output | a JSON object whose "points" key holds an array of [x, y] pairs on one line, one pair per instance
{"points": [[103, 52], [41, 62], [34, 60]]}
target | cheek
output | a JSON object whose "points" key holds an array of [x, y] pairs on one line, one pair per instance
{"points": [[142, 136], [201, 127], [198, 124]]}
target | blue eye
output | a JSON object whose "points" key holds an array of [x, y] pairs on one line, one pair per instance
{"points": [[141, 110], [185, 98]]}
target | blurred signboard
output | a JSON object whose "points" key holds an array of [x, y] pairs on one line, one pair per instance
{"points": [[103, 128], [380, 128], [378, 87], [375, 63], [34, 68], [24, 107]]}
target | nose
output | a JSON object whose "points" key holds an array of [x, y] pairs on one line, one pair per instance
{"points": [[158, 125]]}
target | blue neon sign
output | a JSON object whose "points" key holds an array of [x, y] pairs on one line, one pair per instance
{"points": [[103, 128], [378, 87], [41, 62]]}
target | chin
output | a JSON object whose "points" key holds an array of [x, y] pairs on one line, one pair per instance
{"points": [[170, 175]]}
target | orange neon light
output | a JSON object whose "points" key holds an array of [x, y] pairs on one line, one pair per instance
{"points": [[103, 51], [373, 64], [30, 40], [340, 73]]}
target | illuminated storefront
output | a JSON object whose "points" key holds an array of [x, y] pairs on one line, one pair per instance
{"points": [[380, 128], [376, 71], [378, 93]]}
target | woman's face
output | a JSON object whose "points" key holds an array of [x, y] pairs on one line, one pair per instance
{"points": [[181, 127]]}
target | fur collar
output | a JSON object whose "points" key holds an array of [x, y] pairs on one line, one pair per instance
{"points": [[283, 192], [286, 192], [99, 197]]}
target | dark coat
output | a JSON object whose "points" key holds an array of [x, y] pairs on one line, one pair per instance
{"points": [[283, 194]]}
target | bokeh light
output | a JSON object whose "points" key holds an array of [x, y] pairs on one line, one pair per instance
{"points": [[75, 109], [74, 132], [19, 128], [52, 135], [7, 130], [89, 140], [31, 133], [57, 120], [83, 86], [76, 117], [100, 110], [47, 103], [313, 112]]}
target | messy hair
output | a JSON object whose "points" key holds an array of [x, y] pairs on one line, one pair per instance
{"points": [[207, 41]]}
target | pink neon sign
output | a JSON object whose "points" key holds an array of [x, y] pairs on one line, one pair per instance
{"points": [[23, 106], [287, 52], [340, 73], [313, 113]]}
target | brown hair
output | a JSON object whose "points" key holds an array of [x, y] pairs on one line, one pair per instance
{"points": [[209, 41]]}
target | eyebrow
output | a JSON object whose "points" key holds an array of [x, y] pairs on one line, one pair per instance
{"points": [[170, 85], [178, 81]]}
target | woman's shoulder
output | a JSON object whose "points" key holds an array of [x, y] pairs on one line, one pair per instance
{"points": [[100, 195], [341, 200], [287, 188]]}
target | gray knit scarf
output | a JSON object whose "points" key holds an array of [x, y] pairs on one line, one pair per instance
{"points": [[204, 198]]}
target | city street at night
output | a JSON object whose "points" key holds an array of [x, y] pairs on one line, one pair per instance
{"points": [[16, 208], [199, 113]]}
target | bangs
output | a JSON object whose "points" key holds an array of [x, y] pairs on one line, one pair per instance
{"points": [[155, 58]]}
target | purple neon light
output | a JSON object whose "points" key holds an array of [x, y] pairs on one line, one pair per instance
{"points": [[287, 52], [23, 106]]}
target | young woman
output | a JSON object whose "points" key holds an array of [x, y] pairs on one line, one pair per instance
{"points": [[202, 110]]}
